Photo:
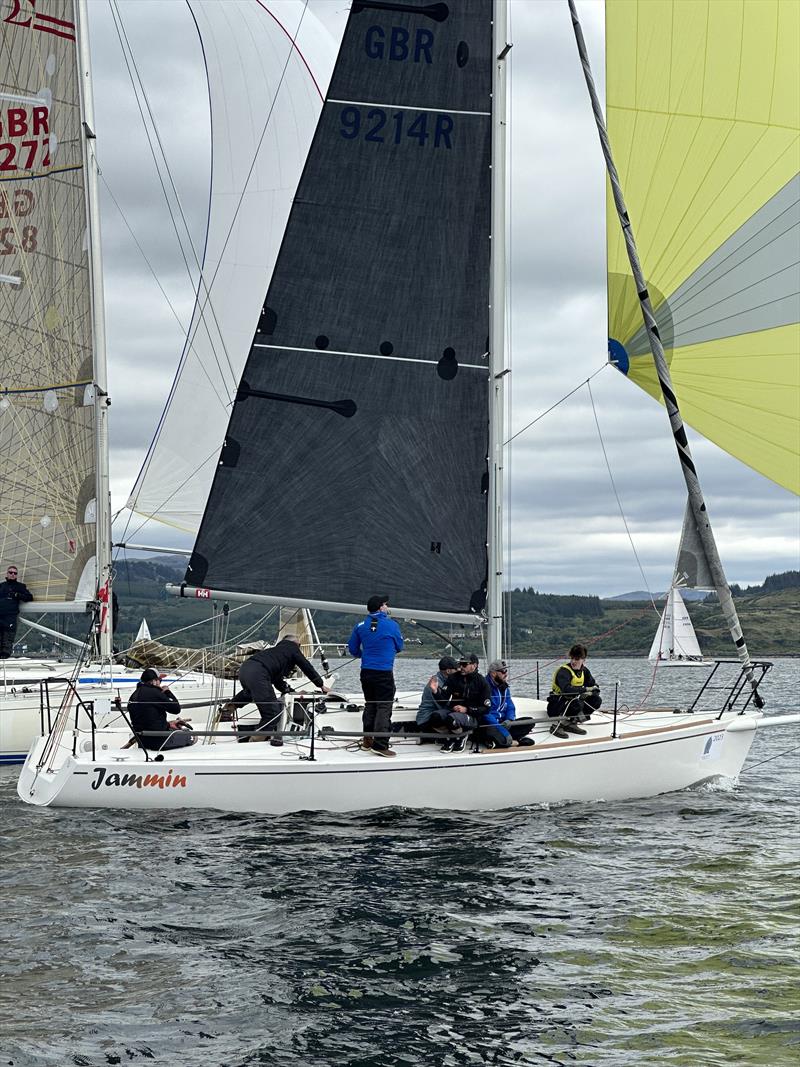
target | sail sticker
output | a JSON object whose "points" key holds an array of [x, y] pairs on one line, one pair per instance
{"points": [[397, 45], [398, 127], [25, 15], [712, 749], [447, 367]]}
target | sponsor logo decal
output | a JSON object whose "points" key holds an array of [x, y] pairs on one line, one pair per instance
{"points": [[713, 746]]}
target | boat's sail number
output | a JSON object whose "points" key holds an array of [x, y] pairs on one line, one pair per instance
{"points": [[24, 138], [419, 128]]}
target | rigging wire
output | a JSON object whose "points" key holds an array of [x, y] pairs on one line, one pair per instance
{"points": [[778, 755], [616, 494], [552, 407]]}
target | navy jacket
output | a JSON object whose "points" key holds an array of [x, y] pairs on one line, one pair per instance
{"points": [[12, 594], [148, 707], [376, 640]]}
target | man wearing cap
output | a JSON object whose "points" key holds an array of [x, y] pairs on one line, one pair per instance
{"points": [[376, 641], [468, 697], [148, 708], [12, 594], [433, 707], [499, 728]]}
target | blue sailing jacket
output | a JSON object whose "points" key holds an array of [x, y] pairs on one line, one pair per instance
{"points": [[376, 640], [502, 707]]}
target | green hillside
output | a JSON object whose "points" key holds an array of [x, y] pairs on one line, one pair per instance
{"points": [[538, 624]]}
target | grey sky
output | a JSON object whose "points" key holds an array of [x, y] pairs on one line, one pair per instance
{"points": [[566, 533]]}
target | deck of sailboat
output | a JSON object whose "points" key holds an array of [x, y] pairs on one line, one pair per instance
{"points": [[340, 750]]}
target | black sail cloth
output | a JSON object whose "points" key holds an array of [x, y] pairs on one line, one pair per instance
{"points": [[356, 455]]}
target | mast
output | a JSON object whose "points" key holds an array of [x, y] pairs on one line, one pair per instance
{"points": [[497, 368], [100, 374], [696, 501]]}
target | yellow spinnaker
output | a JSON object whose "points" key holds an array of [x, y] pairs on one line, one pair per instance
{"points": [[703, 102]]}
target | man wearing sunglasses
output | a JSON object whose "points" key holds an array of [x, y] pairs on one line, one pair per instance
{"points": [[12, 594], [499, 729]]}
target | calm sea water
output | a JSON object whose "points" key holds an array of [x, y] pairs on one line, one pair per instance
{"points": [[652, 932]]}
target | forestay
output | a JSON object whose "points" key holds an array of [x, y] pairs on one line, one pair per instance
{"points": [[47, 449], [356, 455], [703, 107]]}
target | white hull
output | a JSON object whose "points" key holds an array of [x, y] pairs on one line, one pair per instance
{"points": [[655, 753], [21, 717], [682, 663]]}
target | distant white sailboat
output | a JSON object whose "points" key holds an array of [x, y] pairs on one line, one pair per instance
{"points": [[675, 643]]}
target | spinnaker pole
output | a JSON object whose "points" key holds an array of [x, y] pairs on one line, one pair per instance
{"points": [[696, 501]]}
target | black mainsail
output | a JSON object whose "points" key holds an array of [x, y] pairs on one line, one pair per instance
{"points": [[356, 454]]}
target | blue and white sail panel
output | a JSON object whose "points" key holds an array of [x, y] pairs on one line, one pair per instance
{"points": [[356, 455]]}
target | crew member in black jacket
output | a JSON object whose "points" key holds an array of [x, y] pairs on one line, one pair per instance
{"points": [[266, 671], [468, 697], [12, 594], [148, 708]]}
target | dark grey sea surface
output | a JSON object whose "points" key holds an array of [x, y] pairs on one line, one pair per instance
{"points": [[661, 931]]}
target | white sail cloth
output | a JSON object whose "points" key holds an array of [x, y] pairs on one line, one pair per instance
{"points": [[268, 66]]}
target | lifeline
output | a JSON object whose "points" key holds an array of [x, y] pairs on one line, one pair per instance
{"points": [[138, 780]]}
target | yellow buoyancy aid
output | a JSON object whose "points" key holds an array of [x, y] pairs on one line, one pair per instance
{"points": [[576, 680]]}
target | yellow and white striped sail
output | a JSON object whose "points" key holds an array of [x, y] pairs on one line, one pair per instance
{"points": [[47, 461], [703, 102]]}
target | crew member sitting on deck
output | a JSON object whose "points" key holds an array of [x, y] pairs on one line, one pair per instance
{"points": [[574, 695], [499, 728], [468, 698], [433, 707], [148, 708]]}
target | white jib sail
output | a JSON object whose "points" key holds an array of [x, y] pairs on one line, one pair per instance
{"points": [[675, 636], [268, 67]]}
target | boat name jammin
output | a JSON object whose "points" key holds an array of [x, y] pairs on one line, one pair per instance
{"points": [[139, 781]]}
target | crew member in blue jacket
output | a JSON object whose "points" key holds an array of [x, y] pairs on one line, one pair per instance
{"points": [[12, 594], [376, 641], [500, 730]]}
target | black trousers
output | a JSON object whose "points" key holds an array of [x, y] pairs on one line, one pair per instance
{"points": [[379, 690], [256, 680], [572, 706], [8, 631]]}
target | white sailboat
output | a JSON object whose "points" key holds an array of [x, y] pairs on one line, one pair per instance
{"points": [[374, 322], [53, 439], [675, 643]]}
